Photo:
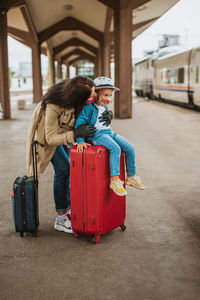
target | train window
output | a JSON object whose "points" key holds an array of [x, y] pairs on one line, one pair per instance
{"points": [[197, 74], [173, 76], [165, 75], [181, 75]]}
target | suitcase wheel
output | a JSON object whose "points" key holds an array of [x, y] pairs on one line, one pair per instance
{"points": [[96, 239], [123, 227], [77, 235], [35, 234], [21, 234]]}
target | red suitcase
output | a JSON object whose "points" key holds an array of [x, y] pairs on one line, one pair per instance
{"points": [[95, 208]]}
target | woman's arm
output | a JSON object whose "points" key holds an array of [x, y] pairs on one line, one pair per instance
{"points": [[51, 128], [82, 120]]}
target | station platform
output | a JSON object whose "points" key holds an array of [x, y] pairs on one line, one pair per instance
{"points": [[156, 258]]}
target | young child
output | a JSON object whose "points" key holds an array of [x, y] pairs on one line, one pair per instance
{"points": [[105, 136]]}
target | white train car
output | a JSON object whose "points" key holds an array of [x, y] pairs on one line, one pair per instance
{"points": [[175, 79], [143, 83], [195, 76], [171, 80]]}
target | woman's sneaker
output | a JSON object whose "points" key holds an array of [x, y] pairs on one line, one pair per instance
{"points": [[63, 225], [68, 214], [136, 182], [118, 188]]}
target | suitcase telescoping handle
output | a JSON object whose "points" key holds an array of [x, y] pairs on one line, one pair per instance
{"points": [[34, 155], [34, 148]]}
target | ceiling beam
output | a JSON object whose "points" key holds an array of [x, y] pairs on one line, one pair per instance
{"points": [[109, 3], [8, 4], [20, 34], [19, 40], [70, 62], [29, 23], [137, 3], [138, 25], [81, 57], [69, 23], [73, 52], [24, 42], [43, 51], [74, 42], [77, 52], [120, 4]]}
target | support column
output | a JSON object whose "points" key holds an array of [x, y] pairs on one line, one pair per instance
{"points": [[96, 72], [59, 71], [4, 70], [107, 57], [76, 70], [107, 42], [51, 71], [67, 71], [99, 65], [102, 57], [123, 58], [36, 73]]}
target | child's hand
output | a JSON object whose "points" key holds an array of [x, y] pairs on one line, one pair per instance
{"points": [[81, 146]]}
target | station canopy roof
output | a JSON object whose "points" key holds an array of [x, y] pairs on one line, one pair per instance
{"points": [[56, 22]]}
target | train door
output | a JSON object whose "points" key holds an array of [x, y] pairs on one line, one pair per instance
{"points": [[195, 69]]}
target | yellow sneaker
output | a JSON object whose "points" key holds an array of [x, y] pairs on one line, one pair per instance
{"points": [[117, 187], [136, 182]]}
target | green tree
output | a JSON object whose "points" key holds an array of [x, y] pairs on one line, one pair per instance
{"points": [[11, 73]]}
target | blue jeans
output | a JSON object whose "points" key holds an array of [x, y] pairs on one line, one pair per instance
{"points": [[115, 143], [61, 186]]}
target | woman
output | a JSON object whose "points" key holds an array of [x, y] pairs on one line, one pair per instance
{"points": [[52, 126]]}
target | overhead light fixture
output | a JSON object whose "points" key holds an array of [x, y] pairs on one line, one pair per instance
{"points": [[68, 7]]}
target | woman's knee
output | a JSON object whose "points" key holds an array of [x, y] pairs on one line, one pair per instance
{"points": [[63, 172]]}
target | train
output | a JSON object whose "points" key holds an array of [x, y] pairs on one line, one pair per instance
{"points": [[172, 78]]}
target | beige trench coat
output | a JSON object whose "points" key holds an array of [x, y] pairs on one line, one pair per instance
{"points": [[50, 128]]}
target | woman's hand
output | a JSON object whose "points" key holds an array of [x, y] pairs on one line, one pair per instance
{"points": [[81, 146], [84, 130], [106, 117]]}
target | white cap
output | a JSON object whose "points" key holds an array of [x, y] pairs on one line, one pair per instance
{"points": [[103, 83]]}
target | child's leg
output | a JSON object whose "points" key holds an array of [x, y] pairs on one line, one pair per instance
{"points": [[132, 180], [129, 151], [114, 149], [115, 152]]}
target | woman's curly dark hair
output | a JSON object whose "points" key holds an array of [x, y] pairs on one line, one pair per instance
{"points": [[69, 93]]}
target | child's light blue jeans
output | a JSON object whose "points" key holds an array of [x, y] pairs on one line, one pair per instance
{"points": [[115, 143]]}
